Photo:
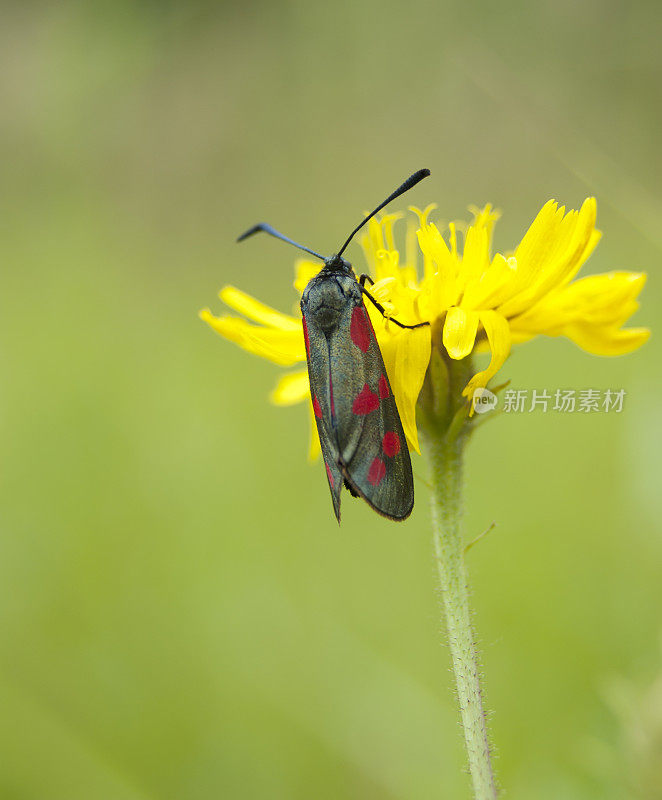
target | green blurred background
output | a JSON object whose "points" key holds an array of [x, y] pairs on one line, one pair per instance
{"points": [[180, 615]]}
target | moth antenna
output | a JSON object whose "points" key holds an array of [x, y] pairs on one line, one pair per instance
{"points": [[264, 228], [406, 186]]}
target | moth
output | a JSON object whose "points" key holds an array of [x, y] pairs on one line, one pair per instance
{"points": [[359, 427]]}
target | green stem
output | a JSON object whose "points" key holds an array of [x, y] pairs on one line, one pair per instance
{"points": [[445, 455]]}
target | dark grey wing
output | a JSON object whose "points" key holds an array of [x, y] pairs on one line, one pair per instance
{"points": [[321, 390], [373, 450], [359, 424]]}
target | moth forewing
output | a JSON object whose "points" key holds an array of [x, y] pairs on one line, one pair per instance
{"points": [[360, 431], [321, 393], [379, 468]]}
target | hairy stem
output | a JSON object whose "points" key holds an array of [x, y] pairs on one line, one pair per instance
{"points": [[445, 456]]}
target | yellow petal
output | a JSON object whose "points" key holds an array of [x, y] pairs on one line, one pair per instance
{"points": [[460, 329], [606, 300], [258, 312], [540, 240], [283, 347], [601, 297], [493, 286], [559, 252], [386, 265], [294, 388], [592, 243], [424, 214], [291, 388], [578, 228], [452, 233], [474, 257], [386, 222], [406, 357], [229, 327], [411, 249], [520, 337], [606, 341], [381, 290], [440, 264], [498, 335], [485, 218], [304, 271], [372, 242]]}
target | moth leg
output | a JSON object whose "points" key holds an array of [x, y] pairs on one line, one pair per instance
{"points": [[363, 278], [380, 308]]}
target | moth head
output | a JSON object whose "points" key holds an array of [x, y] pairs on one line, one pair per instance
{"points": [[336, 263]]}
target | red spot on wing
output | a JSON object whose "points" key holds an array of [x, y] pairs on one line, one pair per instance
{"points": [[329, 474], [359, 329], [366, 401], [382, 388], [376, 472], [391, 444], [305, 336], [316, 407]]}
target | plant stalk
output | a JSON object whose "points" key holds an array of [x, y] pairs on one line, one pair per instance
{"points": [[445, 456]]}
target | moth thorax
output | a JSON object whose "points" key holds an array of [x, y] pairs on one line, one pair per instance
{"points": [[327, 317]]}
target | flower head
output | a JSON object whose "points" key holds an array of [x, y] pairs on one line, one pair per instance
{"points": [[474, 300]]}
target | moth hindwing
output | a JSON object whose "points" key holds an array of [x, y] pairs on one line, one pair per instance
{"points": [[360, 431]]}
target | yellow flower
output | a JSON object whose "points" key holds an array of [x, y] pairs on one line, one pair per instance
{"points": [[478, 300]]}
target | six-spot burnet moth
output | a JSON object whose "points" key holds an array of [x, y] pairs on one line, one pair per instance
{"points": [[359, 426]]}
